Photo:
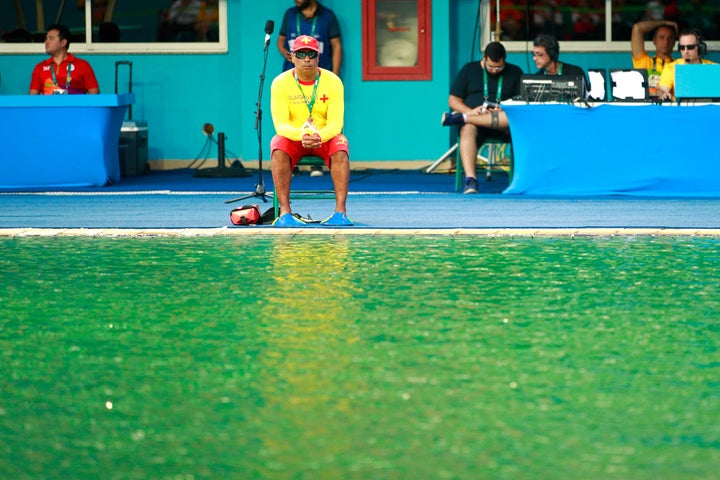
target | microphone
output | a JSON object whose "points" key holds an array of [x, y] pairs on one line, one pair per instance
{"points": [[269, 27]]}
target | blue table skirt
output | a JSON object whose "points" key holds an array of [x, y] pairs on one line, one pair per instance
{"points": [[615, 149], [60, 140]]}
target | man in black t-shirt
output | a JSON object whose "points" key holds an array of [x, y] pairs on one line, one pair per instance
{"points": [[475, 98], [546, 53]]}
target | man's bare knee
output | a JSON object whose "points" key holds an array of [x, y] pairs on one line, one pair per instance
{"points": [[468, 131], [338, 158]]}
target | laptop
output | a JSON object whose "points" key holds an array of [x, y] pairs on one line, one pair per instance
{"points": [[697, 82]]}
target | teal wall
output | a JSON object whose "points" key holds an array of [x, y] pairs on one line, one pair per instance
{"points": [[177, 94]]}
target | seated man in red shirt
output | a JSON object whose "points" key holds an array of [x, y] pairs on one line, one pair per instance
{"points": [[62, 73]]}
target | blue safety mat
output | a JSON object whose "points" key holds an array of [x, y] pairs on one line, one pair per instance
{"points": [[182, 180], [378, 199]]}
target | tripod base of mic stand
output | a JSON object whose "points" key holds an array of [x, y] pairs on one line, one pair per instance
{"points": [[259, 193], [221, 172]]}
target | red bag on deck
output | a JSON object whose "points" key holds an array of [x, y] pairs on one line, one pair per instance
{"points": [[245, 215]]}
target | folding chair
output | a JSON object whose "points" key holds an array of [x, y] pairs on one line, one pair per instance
{"points": [[305, 194], [498, 158]]}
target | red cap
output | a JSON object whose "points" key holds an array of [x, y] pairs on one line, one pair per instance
{"points": [[305, 42]]}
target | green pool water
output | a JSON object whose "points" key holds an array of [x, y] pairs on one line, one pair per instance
{"points": [[360, 358]]}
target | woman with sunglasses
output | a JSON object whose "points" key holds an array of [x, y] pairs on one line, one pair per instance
{"points": [[308, 108]]}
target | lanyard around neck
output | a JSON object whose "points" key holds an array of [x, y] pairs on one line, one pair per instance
{"points": [[662, 65], [310, 103], [297, 24], [498, 96], [559, 69], [54, 78]]}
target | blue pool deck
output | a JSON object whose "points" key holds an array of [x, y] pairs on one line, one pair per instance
{"points": [[379, 200]]}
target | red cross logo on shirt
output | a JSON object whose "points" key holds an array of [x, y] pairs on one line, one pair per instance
{"points": [[324, 98]]}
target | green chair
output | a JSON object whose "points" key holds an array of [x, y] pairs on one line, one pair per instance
{"points": [[305, 194], [497, 158]]}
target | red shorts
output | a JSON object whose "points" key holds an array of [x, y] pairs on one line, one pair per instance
{"points": [[296, 151]]}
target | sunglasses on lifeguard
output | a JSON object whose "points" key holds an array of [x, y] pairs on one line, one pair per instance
{"points": [[301, 55], [687, 47]]}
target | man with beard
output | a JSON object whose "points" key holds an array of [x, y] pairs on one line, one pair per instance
{"points": [[475, 98]]}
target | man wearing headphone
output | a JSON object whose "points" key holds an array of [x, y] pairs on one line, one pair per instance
{"points": [[692, 48], [546, 53]]}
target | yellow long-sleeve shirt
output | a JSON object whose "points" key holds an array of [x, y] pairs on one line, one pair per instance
{"points": [[289, 106], [667, 79]]}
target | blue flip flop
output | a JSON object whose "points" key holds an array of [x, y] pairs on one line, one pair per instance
{"points": [[338, 219], [288, 220]]}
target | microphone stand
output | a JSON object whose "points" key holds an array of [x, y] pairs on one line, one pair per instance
{"points": [[260, 191]]}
